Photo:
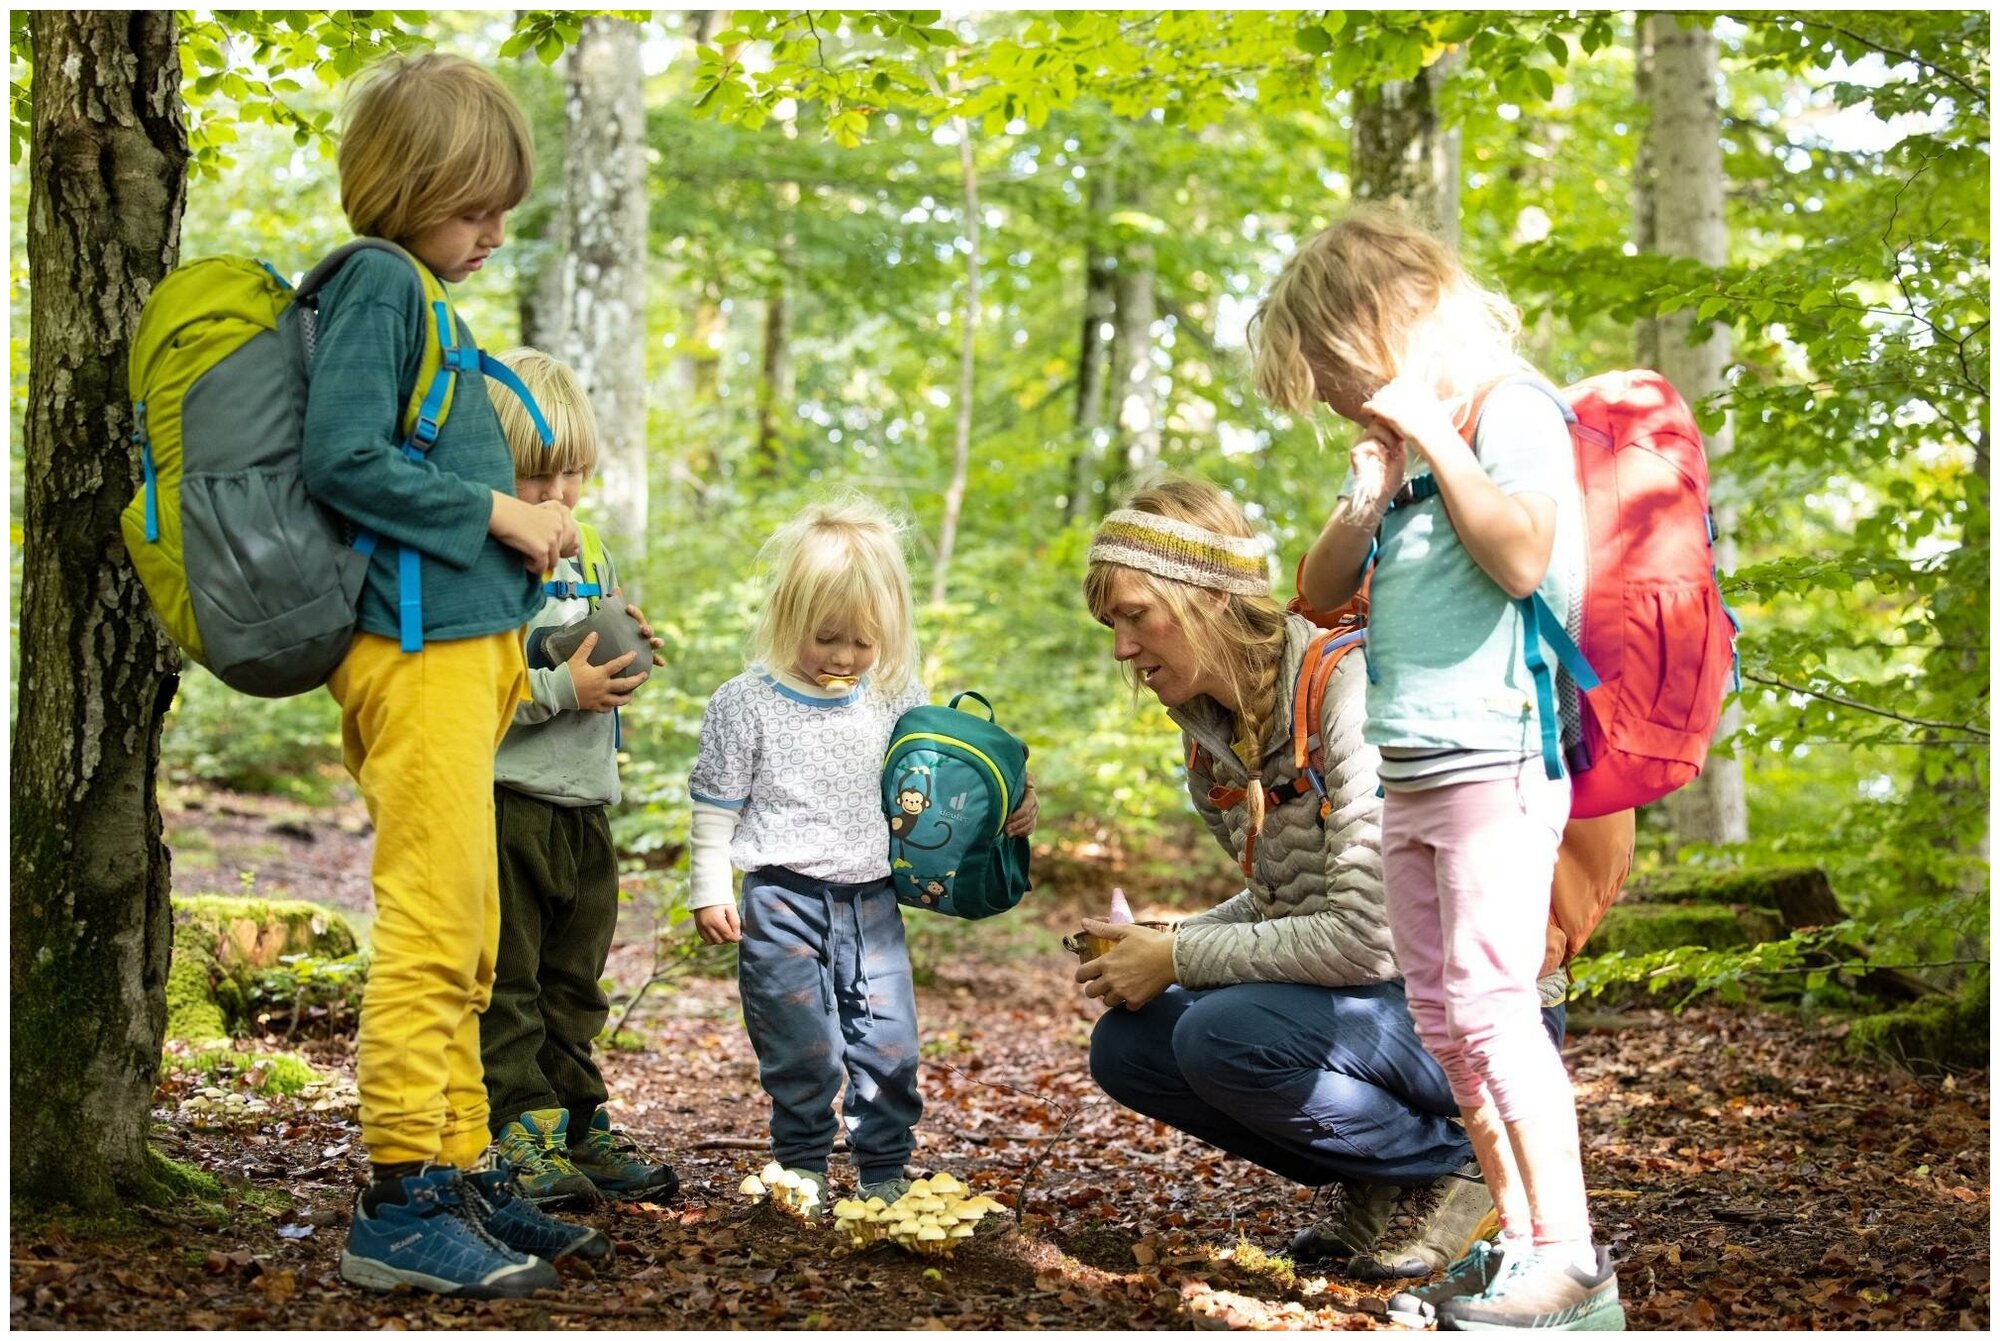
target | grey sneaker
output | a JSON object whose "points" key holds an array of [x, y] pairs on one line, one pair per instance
{"points": [[1364, 1213], [1470, 1274], [1544, 1293], [1452, 1214]]}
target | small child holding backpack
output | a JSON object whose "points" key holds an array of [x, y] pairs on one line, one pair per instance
{"points": [[1378, 319], [434, 155], [787, 787], [555, 778]]}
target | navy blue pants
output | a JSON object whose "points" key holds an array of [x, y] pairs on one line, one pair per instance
{"points": [[825, 981], [1316, 1084]]}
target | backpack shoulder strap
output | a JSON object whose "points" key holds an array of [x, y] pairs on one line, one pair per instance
{"points": [[430, 395], [1322, 656]]}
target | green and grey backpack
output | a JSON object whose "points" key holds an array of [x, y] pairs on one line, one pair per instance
{"points": [[252, 577], [949, 783]]}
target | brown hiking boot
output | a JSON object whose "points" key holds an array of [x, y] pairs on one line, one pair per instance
{"points": [[1364, 1213], [1451, 1215]]}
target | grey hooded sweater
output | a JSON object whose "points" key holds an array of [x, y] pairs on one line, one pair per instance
{"points": [[1313, 913]]}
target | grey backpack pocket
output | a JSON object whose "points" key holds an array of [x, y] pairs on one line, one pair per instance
{"points": [[276, 606]]}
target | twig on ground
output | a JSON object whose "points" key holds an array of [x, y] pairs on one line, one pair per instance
{"points": [[1068, 1116]]}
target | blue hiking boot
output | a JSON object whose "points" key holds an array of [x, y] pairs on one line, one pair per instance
{"points": [[616, 1166], [434, 1241], [522, 1226]]}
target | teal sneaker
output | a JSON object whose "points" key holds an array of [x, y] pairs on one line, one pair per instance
{"points": [[519, 1224], [615, 1165], [1469, 1275], [537, 1145], [1542, 1292], [434, 1240]]}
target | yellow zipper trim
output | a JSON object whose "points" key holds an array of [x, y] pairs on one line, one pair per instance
{"points": [[1005, 809]]}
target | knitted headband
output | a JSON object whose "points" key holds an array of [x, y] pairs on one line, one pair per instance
{"points": [[1184, 553]]}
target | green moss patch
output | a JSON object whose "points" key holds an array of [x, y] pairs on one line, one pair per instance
{"points": [[1943, 1033]]}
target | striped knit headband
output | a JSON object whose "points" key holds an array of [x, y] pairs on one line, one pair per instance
{"points": [[1184, 553]]}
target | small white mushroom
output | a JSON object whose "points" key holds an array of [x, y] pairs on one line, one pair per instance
{"points": [[752, 1187], [772, 1170]]}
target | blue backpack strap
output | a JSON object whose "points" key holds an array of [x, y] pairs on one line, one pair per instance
{"points": [[504, 375], [1539, 623], [145, 441]]}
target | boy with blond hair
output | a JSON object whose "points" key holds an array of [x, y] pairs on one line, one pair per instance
{"points": [[554, 782]]}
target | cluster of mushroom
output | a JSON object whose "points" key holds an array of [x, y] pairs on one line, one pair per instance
{"points": [[789, 1190], [933, 1218]]}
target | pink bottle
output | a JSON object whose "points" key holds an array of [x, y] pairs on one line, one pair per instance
{"points": [[1121, 911]]}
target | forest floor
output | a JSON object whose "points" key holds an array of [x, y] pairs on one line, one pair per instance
{"points": [[1746, 1172]]}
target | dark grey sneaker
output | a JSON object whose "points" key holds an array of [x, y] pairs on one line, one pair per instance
{"points": [[1543, 1293], [1470, 1274], [1364, 1213], [1451, 1215]]}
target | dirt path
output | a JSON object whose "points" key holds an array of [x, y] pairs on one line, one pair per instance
{"points": [[1747, 1173]]}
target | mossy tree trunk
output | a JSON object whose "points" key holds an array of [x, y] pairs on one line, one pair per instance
{"points": [[90, 924]]}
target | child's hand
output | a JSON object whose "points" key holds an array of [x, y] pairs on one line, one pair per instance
{"points": [[540, 533], [1022, 822], [598, 688], [645, 629], [1378, 463], [718, 924], [1412, 411]]}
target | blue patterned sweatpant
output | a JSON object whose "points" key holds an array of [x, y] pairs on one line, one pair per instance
{"points": [[827, 996]]}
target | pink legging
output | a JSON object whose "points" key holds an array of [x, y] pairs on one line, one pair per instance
{"points": [[1466, 872]]}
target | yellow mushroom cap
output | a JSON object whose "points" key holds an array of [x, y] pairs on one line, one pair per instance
{"points": [[930, 1234], [946, 1184]]}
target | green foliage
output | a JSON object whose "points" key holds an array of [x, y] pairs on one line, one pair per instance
{"points": [[813, 155], [287, 747]]}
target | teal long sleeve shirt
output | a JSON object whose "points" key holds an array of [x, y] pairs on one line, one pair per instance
{"points": [[369, 344]]}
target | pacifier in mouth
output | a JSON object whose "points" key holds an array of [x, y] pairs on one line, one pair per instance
{"points": [[837, 681]]}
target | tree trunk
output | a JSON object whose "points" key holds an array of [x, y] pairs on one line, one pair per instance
{"points": [[90, 922], [1134, 381], [961, 454], [1684, 211], [1100, 303], [774, 390], [1400, 150], [605, 287]]}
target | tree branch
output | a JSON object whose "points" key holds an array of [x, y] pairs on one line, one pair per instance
{"points": [[1978, 93], [1846, 702]]}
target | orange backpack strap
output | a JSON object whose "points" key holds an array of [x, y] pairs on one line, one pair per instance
{"points": [[1353, 615], [1323, 654]]}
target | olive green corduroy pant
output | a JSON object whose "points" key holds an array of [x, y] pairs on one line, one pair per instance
{"points": [[558, 910]]}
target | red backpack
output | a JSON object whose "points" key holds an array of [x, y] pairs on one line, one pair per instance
{"points": [[1657, 645]]}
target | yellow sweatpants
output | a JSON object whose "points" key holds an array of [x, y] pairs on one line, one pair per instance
{"points": [[418, 731]]}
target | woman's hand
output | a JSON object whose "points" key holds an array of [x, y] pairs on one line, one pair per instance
{"points": [[1132, 972], [718, 923], [1022, 822]]}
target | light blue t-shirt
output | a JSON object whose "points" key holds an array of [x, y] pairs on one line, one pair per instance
{"points": [[1447, 668]]}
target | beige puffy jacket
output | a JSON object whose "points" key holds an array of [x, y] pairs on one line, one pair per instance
{"points": [[1313, 913]]}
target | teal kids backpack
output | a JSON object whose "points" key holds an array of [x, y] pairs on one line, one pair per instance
{"points": [[949, 783]]}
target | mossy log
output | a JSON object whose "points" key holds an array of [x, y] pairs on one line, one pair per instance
{"points": [[222, 946], [1937, 1034], [1720, 910]]}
